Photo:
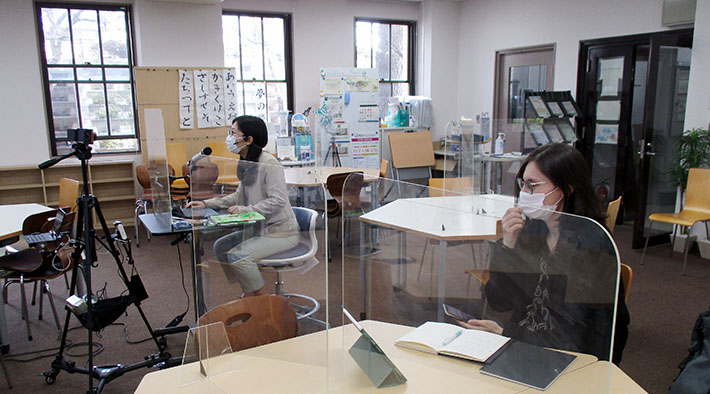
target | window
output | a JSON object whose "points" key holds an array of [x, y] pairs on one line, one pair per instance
{"points": [[258, 46], [87, 62], [387, 46]]}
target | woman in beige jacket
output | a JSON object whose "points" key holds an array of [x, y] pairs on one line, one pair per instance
{"points": [[262, 189]]}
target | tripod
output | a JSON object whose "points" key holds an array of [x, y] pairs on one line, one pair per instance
{"points": [[333, 148], [84, 244]]}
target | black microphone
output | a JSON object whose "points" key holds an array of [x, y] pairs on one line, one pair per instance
{"points": [[206, 151]]}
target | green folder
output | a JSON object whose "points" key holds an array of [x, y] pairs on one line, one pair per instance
{"points": [[236, 218]]}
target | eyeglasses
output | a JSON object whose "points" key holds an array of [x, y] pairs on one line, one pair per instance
{"points": [[527, 186], [231, 131]]}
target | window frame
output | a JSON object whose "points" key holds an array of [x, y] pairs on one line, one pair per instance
{"points": [[130, 66], [288, 56], [412, 47]]}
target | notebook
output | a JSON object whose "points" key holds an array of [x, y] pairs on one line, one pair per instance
{"points": [[529, 365], [452, 340], [236, 218]]}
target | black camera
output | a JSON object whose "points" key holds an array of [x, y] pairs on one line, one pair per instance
{"points": [[81, 136]]}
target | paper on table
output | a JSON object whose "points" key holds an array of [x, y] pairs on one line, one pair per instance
{"points": [[476, 344]]}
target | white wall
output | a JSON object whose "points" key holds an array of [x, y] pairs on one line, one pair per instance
{"points": [[697, 112]]}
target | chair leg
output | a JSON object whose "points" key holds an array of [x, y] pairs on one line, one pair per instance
{"points": [[45, 285], [645, 246], [137, 224], [685, 251], [421, 261], [675, 231], [4, 371], [34, 294], [431, 274], [25, 312], [41, 297], [66, 281]]}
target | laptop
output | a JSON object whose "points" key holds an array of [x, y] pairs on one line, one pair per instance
{"points": [[52, 235]]}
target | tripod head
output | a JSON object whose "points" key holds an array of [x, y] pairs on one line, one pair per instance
{"points": [[81, 148]]}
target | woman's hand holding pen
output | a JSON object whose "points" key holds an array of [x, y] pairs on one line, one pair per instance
{"points": [[513, 223]]}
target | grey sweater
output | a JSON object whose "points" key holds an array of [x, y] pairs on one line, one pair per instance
{"points": [[267, 196]]}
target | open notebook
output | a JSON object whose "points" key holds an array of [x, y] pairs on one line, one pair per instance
{"points": [[452, 340]]}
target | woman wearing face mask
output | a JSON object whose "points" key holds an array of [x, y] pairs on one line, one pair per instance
{"points": [[546, 259], [262, 189]]}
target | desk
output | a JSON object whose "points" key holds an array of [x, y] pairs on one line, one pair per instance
{"points": [[450, 218], [317, 176], [11, 226], [298, 365]]}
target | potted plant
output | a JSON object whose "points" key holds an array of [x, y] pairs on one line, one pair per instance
{"points": [[692, 151]]}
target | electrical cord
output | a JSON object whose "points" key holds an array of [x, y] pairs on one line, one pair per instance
{"points": [[181, 316]]}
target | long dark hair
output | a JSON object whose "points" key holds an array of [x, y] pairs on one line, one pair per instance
{"points": [[251, 126], [567, 169]]}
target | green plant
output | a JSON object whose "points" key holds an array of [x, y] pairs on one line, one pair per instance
{"points": [[692, 151]]}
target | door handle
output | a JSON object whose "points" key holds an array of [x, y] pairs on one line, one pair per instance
{"points": [[646, 150]]}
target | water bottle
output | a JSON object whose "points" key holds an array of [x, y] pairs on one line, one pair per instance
{"points": [[498, 148]]}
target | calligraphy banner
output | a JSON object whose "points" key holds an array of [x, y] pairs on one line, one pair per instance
{"points": [[202, 99], [230, 94], [186, 95]]}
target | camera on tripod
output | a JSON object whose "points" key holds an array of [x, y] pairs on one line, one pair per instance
{"points": [[81, 136]]}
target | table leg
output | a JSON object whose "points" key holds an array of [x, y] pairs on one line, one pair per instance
{"points": [[4, 340], [403, 261], [363, 273], [442, 280]]}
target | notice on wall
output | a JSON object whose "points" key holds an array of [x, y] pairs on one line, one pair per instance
{"points": [[365, 152], [230, 94], [186, 96], [202, 98], [607, 134], [216, 105]]}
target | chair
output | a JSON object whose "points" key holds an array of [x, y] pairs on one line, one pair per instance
{"points": [[146, 198], [37, 264], [69, 190], [381, 184], [696, 209], [227, 168], [299, 258], [177, 157], [455, 186], [334, 207], [202, 179], [254, 321], [612, 211], [627, 275]]}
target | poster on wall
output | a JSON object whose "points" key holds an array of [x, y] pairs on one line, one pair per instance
{"points": [[607, 134], [365, 152], [186, 97]]}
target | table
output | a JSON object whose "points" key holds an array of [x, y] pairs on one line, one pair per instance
{"points": [[317, 176], [11, 226], [449, 218], [298, 365]]}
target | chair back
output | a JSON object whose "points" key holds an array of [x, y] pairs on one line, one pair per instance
{"points": [[334, 184], [697, 192], [384, 168], [227, 168], [202, 179], [627, 275], [69, 190], [177, 154], [306, 219], [34, 223], [254, 321], [612, 211], [457, 186], [143, 177], [350, 200]]}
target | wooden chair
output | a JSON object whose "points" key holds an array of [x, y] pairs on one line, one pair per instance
{"points": [[381, 184], [146, 197], [69, 190], [612, 211], [38, 264], [334, 207], [227, 163], [696, 209], [627, 275], [202, 179], [177, 158], [254, 321]]}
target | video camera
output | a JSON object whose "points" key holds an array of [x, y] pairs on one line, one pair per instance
{"points": [[81, 136]]}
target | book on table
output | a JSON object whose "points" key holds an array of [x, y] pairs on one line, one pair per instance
{"points": [[453, 340], [235, 218]]}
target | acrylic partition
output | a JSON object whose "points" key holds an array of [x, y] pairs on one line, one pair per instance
{"points": [[264, 232], [158, 168], [407, 249]]}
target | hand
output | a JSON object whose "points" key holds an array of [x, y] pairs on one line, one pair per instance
{"points": [[513, 223], [483, 325], [195, 204], [234, 209]]}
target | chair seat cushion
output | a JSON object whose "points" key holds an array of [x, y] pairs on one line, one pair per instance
{"points": [[26, 260], [299, 250], [685, 217]]}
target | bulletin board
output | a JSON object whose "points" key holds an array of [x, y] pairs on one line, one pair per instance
{"points": [[157, 87]]}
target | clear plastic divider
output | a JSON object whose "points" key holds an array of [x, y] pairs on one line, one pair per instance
{"points": [[201, 359]]}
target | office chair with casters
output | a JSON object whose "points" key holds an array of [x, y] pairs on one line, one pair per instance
{"points": [[299, 258], [254, 321], [612, 211], [39, 264], [441, 187], [146, 198], [627, 275], [696, 209]]}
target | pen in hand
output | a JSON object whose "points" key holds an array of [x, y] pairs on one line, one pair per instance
{"points": [[451, 339]]}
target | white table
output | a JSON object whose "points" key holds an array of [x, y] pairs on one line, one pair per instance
{"points": [[317, 176], [450, 218], [11, 219]]}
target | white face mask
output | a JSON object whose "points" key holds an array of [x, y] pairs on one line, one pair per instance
{"points": [[533, 206], [231, 142]]}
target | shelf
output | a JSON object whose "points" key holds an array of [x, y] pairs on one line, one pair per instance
{"points": [[114, 180], [117, 198], [21, 186]]}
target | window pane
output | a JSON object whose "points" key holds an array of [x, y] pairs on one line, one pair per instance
{"points": [[241, 102], [381, 42], [55, 25], [118, 74], [385, 94], [255, 99], [524, 78], [230, 37], [251, 47], [114, 38], [400, 89], [277, 100], [120, 109], [400, 52], [117, 145], [363, 41], [60, 74], [274, 49], [93, 107], [64, 113], [89, 74], [85, 30]]}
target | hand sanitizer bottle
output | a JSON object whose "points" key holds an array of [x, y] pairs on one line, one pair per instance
{"points": [[498, 148]]}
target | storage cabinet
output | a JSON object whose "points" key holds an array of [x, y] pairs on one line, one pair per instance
{"points": [[112, 182]]}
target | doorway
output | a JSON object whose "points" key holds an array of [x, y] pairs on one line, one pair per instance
{"points": [[632, 93]]}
